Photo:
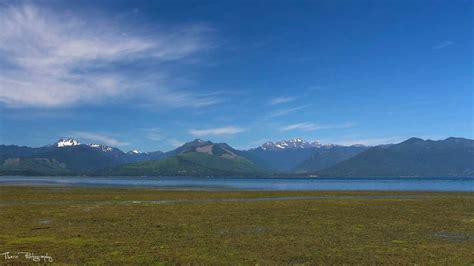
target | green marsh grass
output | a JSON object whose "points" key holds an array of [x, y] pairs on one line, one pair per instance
{"points": [[125, 226]]}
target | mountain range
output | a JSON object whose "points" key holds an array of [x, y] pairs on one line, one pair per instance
{"points": [[413, 157], [301, 156], [75, 156], [196, 158]]}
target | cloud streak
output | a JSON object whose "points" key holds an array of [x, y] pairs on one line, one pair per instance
{"points": [[158, 134], [442, 45], [286, 111], [49, 60], [154, 133], [307, 126], [281, 100], [230, 130], [98, 137]]}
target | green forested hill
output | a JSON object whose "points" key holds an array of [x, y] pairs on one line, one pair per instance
{"points": [[33, 166], [188, 164], [196, 158]]}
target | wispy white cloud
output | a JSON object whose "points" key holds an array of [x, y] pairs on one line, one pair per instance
{"points": [[154, 133], [281, 99], [442, 45], [230, 130], [282, 112], [159, 135], [53, 60], [175, 143], [317, 88], [307, 126], [98, 137], [250, 145], [180, 98], [301, 126]]}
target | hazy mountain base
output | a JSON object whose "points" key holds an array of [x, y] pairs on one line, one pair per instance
{"points": [[413, 157], [33, 166], [327, 157]]}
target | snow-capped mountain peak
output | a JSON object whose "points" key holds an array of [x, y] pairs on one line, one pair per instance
{"points": [[296, 143], [359, 145], [102, 147], [134, 152], [66, 142], [286, 144], [316, 144]]}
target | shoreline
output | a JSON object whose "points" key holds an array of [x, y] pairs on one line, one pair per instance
{"points": [[439, 184], [276, 176], [194, 189]]}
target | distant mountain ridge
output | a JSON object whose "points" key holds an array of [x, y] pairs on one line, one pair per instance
{"points": [[328, 156], [66, 142], [75, 157], [288, 144], [196, 158], [413, 157], [295, 155], [33, 166]]}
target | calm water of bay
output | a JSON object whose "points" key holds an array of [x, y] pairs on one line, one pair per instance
{"points": [[228, 183]]}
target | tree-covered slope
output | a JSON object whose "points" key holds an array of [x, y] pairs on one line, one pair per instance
{"points": [[85, 158], [188, 164], [77, 157], [33, 166], [195, 158]]}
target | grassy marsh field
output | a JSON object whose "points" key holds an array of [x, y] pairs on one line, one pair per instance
{"points": [[147, 226]]}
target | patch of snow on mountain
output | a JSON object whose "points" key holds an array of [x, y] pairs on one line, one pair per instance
{"points": [[67, 142], [103, 148], [297, 143], [359, 145], [286, 144]]}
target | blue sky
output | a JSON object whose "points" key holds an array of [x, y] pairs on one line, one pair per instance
{"points": [[151, 75]]}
